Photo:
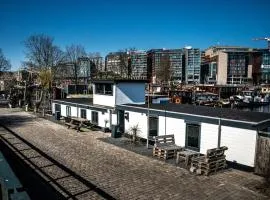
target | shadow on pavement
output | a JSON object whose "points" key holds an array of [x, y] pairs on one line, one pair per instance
{"points": [[39, 183]]}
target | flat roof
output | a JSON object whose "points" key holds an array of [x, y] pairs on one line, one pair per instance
{"points": [[82, 102], [204, 111], [120, 81]]}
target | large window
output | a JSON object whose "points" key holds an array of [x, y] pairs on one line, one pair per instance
{"points": [[104, 89], [94, 119], [193, 136], [83, 113], [68, 111]]}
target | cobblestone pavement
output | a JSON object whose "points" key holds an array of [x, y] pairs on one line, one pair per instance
{"points": [[121, 173]]}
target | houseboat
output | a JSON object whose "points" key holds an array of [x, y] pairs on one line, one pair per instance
{"points": [[197, 128]]}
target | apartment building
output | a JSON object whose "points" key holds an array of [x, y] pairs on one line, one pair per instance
{"points": [[98, 63], [165, 65], [192, 65], [117, 63]]}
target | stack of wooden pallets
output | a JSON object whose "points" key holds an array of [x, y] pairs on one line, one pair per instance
{"points": [[213, 161], [165, 147]]}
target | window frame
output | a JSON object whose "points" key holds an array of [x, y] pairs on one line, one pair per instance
{"points": [[199, 136], [94, 120], [84, 117]]}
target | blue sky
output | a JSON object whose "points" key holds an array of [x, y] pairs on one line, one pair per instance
{"points": [[109, 25]]}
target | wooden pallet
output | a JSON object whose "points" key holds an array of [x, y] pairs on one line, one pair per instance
{"points": [[213, 161], [209, 165], [165, 147], [166, 152], [216, 152], [203, 159]]}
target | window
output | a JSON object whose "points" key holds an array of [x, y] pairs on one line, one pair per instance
{"points": [[99, 89], [68, 111], [108, 89], [193, 136], [104, 89], [94, 119], [153, 126], [83, 113]]}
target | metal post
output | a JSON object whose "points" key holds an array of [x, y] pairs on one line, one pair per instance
{"points": [[165, 118], [219, 131], [148, 125], [77, 110]]}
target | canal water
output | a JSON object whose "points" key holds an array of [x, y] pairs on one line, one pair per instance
{"points": [[10, 185]]}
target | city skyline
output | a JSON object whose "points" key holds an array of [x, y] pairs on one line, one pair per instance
{"points": [[105, 26]]}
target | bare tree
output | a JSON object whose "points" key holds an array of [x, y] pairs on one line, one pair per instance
{"points": [[43, 55], [73, 55], [124, 58], [4, 62], [41, 51], [96, 63]]}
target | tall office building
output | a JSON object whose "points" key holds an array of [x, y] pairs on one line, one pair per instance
{"points": [[265, 65], [138, 64], [166, 65], [192, 65], [230, 65]]}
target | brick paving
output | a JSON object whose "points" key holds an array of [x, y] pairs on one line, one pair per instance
{"points": [[121, 173]]}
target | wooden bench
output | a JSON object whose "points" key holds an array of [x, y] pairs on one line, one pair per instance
{"points": [[76, 123], [165, 147]]}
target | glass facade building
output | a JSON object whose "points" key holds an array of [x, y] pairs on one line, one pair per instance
{"points": [[265, 66], [237, 67], [138, 64], [192, 65]]}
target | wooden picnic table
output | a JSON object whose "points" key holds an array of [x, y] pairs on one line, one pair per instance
{"points": [[75, 122], [186, 155]]}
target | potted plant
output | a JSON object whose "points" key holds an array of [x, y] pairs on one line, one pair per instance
{"points": [[134, 133]]}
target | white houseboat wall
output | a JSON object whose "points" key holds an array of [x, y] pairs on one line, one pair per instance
{"points": [[106, 95], [200, 128]]}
